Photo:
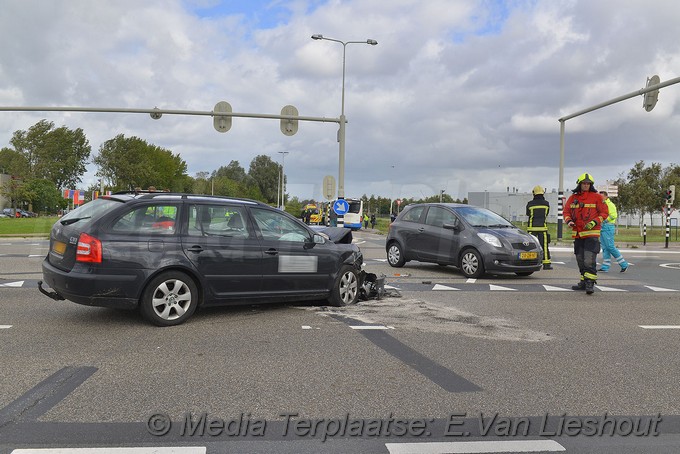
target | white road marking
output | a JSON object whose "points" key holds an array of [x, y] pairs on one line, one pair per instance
{"points": [[659, 326], [471, 281], [369, 327], [392, 288], [550, 288], [36, 255], [610, 289], [478, 447], [13, 284], [5, 326], [146, 450], [380, 260], [559, 263], [673, 266], [500, 287], [660, 289], [443, 287]]}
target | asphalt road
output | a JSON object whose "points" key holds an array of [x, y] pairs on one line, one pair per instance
{"points": [[442, 364]]}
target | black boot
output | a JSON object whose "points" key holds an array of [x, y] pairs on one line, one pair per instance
{"points": [[580, 286], [547, 266], [589, 286]]}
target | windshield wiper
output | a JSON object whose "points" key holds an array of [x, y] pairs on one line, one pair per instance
{"points": [[500, 226], [73, 220]]}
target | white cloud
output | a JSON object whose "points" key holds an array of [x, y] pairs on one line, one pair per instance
{"points": [[458, 95]]}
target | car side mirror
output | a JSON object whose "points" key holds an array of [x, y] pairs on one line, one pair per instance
{"points": [[455, 226], [314, 240]]}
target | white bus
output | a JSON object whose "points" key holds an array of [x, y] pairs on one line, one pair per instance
{"points": [[355, 215]]}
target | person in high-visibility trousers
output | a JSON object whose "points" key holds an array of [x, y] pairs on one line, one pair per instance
{"points": [[584, 212], [537, 211], [609, 249]]}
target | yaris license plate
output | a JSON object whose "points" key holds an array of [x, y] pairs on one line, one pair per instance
{"points": [[528, 255]]}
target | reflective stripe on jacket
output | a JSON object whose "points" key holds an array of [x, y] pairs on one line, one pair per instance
{"points": [[537, 211], [582, 208]]}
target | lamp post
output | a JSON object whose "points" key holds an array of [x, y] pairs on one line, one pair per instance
{"points": [[282, 180], [341, 131]]}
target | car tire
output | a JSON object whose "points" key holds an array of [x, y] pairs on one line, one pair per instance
{"points": [[524, 273], [395, 255], [346, 287], [471, 263], [169, 299]]}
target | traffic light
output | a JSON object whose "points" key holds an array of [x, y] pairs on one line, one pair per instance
{"points": [[670, 194]]}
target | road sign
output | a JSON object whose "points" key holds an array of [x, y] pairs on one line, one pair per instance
{"points": [[289, 127], [341, 207], [651, 97], [222, 123], [329, 187]]}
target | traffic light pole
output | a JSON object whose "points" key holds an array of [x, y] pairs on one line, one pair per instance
{"points": [[643, 91]]}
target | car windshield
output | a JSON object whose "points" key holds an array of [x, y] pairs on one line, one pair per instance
{"points": [[88, 210], [481, 217]]}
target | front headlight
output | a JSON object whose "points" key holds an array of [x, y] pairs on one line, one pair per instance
{"points": [[493, 240]]}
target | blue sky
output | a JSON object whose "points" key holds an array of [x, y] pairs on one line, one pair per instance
{"points": [[460, 95]]}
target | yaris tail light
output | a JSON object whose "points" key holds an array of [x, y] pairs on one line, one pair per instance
{"points": [[89, 249]]}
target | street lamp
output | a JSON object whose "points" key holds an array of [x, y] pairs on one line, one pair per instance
{"points": [[341, 132], [282, 180]]}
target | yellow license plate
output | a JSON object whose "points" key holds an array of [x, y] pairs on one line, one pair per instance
{"points": [[59, 247], [528, 255]]}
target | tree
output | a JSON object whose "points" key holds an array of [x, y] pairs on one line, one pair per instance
{"points": [[127, 163], [233, 171], [642, 193], [43, 152], [13, 163], [265, 174], [44, 196]]}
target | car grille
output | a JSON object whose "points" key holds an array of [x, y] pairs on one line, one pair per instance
{"points": [[522, 247]]}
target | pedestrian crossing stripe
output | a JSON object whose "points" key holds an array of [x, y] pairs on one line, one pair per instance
{"points": [[550, 288], [443, 287], [501, 288], [660, 289], [13, 284], [610, 289]]}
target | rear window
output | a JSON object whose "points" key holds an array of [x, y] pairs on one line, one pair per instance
{"points": [[91, 210]]}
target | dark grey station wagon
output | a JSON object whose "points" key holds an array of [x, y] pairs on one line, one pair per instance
{"points": [[167, 253]]}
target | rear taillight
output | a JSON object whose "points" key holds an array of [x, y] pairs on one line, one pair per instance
{"points": [[89, 249]]}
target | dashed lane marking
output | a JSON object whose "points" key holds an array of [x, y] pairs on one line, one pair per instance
{"points": [[5, 326], [659, 326], [370, 327], [478, 447], [144, 450]]}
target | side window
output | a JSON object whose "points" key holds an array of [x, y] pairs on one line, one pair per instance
{"points": [[437, 217], [413, 215], [148, 219], [218, 220], [275, 226]]}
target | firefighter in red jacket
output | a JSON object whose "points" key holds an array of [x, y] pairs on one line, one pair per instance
{"points": [[584, 212]]}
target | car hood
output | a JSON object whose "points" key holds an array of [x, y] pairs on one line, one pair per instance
{"points": [[338, 235], [512, 235]]}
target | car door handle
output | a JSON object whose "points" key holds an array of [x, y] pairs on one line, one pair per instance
{"points": [[195, 249], [271, 251]]}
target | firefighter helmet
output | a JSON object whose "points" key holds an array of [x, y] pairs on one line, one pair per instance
{"points": [[586, 177], [538, 190]]}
